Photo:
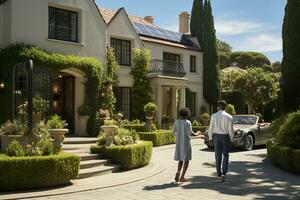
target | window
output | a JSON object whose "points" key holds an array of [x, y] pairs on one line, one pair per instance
{"points": [[171, 57], [123, 101], [122, 51], [63, 25], [192, 63], [191, 101]]}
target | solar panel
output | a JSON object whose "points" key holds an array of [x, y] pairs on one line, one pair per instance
{"points": [[160, 33]]}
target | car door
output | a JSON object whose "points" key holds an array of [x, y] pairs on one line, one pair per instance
{"points": [[263, 133]]}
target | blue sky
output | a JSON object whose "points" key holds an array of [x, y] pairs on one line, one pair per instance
{"points": [[247, 25]]}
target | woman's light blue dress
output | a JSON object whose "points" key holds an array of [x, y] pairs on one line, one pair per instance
{"points": [[182, 129]]}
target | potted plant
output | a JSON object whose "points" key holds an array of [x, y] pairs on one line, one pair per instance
{"points": [[57, 130], [39, 105], [109, 127], [150, 108], [204, 119], [13, 131], [83, 112]]}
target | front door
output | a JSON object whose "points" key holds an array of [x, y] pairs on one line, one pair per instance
{"points": [[68, 102]]}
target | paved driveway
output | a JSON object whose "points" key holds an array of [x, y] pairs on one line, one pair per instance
{"points": [[251, 177]]}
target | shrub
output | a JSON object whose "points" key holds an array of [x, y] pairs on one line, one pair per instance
{"points": [[196, 123], [15, 149], [13, 128], [159, 137], [284, 157], [289, 132], [150, 107], [138, 127], [83, 110], [204, 119], [129, 157], [230, 109], [110, 122], [55, 122], [38, 171], [275, 126]]}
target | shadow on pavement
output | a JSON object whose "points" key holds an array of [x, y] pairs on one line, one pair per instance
{"points": [[262, 180], [161, 187]]}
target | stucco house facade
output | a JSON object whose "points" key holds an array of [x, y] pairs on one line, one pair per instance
{"points": [[184, 57], [81, 28]]}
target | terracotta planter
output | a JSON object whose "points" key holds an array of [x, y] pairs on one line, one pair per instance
{"points": [[109, 133], [7, 139], [58, 135], [36, 117]]}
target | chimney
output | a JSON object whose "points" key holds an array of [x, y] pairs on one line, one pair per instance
{"points": [[149, 19], [184, 22]]}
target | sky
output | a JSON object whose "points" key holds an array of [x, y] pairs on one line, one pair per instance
{"points": [[247, 25]]}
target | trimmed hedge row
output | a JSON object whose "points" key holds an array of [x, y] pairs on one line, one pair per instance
{"points": [[199, 128], [129, 157], [159, 137], [284, 157], [19, 173], [138, 127]]}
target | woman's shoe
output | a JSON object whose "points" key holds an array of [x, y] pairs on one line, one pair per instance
{"points": [[177, 176]]}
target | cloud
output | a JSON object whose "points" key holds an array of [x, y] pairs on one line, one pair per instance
{"points": [[236, 27], [261, 43]]}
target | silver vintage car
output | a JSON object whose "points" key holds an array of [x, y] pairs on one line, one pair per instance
{"points": [[249, 131]]}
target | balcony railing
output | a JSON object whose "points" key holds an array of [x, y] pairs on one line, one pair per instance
{"points": [[166, 68]]}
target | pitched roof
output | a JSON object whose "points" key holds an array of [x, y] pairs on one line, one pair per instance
{"points": [[232, 69], [184, 41]]}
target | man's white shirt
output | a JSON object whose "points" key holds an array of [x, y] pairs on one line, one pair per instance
{"points": [[220, 123]]}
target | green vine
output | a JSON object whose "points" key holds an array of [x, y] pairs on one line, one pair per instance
{"points": [[17, 53], [141, 86]]}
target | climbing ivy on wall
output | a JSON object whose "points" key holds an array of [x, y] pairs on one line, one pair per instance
{"points": [[17, 53]]}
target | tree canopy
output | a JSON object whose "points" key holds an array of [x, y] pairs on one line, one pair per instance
{"points": [[245, 60]]}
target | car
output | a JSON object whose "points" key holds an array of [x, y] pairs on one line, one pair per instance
{"points": [[249, 131]]}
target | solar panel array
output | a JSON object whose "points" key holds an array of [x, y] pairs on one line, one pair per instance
{"points": [[160, 33]]}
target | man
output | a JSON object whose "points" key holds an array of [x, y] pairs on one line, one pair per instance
{"points": [[221, 135]]}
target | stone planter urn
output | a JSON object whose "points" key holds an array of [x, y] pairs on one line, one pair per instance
{"points": [[150, 115], [83, 125], [58, 135], [109, 133], [7, 139]]}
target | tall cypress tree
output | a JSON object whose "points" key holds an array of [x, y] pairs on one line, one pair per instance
{"points": [[211, 80], [197, 21], [291, 59]]}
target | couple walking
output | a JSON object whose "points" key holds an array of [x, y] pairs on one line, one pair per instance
{"points": [[220, 136]]}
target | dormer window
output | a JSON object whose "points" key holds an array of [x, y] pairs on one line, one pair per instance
{"points": [[63, 25]]}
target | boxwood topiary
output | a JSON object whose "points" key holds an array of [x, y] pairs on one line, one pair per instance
{"points": [[289, 132], [129, 157], [37, 171], [159, 137]]}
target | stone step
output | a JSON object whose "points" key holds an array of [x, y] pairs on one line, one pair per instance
{"points": [[80, 140], [77, 151], [87, 156], [96, 171], [75, 146], [93, 163]]}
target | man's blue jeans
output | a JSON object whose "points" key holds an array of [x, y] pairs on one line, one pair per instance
{"points": [[222, 145]]}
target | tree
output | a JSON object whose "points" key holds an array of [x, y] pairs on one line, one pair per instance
{"points": [[224, 47], [141, 86], [197, 21], [225, 51], [107, 97], [291, 59], [228, 80], [211, 81], [257, 87], [247, 60], [276, 66]]}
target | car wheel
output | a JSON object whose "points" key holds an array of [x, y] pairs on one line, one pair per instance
{"points": [[248, 143]]}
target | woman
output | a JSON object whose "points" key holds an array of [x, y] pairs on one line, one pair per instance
{"points": [[182, 129]]}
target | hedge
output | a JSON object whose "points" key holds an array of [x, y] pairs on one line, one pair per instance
{"points": [[159, 137], [138, 127], [18, 173], [199, 128], [129, 157], [284, 157]]}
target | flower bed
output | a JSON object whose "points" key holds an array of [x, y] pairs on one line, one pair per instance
{"points": [[284, 157], [37, 171], [129, 157], [159, 137]]}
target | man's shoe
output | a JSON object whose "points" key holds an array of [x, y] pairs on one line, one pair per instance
{"points": [[223, 178]]}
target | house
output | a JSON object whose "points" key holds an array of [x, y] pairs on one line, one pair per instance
{"points": [[176, 62], [76, 27], [70, 27]]}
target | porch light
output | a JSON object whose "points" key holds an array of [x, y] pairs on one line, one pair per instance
{"points": [[60, 75], [2, 85]]}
